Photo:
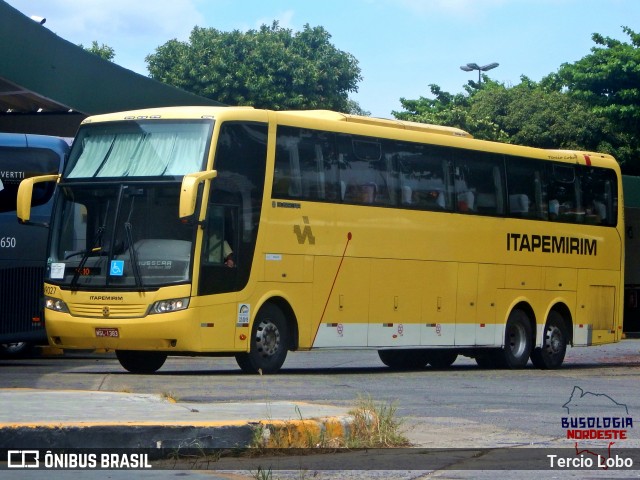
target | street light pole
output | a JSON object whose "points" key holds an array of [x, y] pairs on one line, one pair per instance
{"points": [[470, 67]]}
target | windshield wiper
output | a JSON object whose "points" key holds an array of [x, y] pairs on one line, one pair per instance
{"points": [[85, 256], [132, 252]]}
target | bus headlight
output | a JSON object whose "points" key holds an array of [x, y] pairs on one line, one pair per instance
{"points": [[173, 305], [55, 304]]}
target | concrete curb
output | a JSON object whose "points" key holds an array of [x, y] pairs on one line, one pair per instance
{"points": [[46, 419], [305, 433]]}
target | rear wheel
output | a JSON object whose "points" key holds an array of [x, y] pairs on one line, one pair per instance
{"points": [[517, 340], [269, 342], [410, 359], [140, 361], [554, 344]]}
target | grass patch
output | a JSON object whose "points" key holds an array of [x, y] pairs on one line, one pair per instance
{"points": [[169, 397], [375, 425], [372, 425]]}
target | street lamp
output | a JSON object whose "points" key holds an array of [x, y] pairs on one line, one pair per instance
{"points": [[470, 67]]}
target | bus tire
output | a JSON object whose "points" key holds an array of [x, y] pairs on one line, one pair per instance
{"points": [[554, 344], [441, 358], [409, 359], [269, 342], [17, 350], [518, 341], [135, 361]]}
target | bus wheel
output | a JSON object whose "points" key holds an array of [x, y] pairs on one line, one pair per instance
{"points": [[16, 350], [441, 358], [141, 362], [410, 359], [554, 346], [517, 340], [269, 343]]}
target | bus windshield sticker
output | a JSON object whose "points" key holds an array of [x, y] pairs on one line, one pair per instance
{"points": [[117, 268], [57, 270], [244, 312]]}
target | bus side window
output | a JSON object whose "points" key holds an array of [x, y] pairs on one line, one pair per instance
{"points": [[597, 185], [219, 239], [478, 182], [306, 165], [565, 203], [527, 194], [356, 170], [420, 172], [287, 181]]}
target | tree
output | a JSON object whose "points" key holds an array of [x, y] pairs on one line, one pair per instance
{"points": [[451, 110], [608, 80], [524, 114], [103, 51], [529, 114], [267, 68]]}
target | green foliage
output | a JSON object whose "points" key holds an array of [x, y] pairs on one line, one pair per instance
{"points": [[592, 104], [451, 110], [103, 51], [267, 68], [608, 80]]}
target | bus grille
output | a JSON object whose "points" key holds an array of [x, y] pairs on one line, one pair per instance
{"points": [[107, 311], [20, 299]]}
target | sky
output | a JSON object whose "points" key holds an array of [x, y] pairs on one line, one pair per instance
{"points": [[402, 46]]}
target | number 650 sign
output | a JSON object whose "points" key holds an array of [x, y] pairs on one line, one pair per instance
{"points": [[7, 242]]}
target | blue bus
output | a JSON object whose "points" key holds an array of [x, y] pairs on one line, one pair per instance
{"points": [[23, 248]]}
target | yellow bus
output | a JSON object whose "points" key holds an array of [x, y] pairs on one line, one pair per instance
{"points": [[251, 233]]}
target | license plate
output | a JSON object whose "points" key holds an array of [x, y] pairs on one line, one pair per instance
{"points": [[107, 332]]}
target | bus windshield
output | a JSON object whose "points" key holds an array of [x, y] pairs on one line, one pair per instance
{"points": [[139, 149], [119, 235], [124, 231]]}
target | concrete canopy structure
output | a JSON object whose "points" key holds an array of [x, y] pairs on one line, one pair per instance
{"points": [[49, 85]]}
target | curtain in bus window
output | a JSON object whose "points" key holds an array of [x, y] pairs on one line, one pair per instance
{"points": [[174, 150], [169, 154], [94, 152]]}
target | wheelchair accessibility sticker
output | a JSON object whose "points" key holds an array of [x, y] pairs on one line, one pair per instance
{"points": [[117, 268]]}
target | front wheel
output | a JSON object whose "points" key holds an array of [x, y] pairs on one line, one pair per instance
{"points": [[16, 350], [517, 340], [269, 343], [554, 345], [141, 362]]}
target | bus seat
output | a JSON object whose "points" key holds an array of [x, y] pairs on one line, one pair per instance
{"points": [[487, 203], [601, 210], [466, 201], [406, 195], [519, 203]]}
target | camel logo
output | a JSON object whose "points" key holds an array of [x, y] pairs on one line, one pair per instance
{"points": [[304, 233]]}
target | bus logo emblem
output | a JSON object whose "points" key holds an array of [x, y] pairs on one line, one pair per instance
{"points": [[105, 311], [304, 234]]}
